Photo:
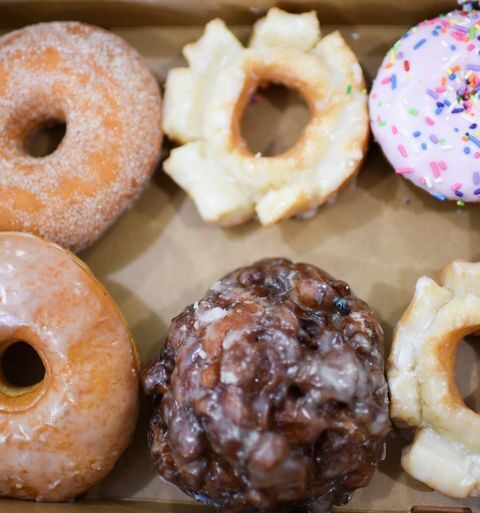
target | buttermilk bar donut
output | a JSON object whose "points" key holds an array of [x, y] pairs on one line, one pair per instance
{"points": [[62, 435], [445, 453], [270, 392], [100, 87], [204, 104], [425, 106]]}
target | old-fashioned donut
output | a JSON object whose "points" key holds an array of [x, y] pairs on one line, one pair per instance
{"points": [[269, 394], [445, 453], [101, 88], [63, 434], [204, 104]]}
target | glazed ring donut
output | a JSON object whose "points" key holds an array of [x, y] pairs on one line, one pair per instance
{"points": [[205, 102], [445, 453], [100, 87], [61, 436]]}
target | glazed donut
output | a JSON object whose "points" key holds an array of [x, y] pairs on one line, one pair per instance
{"points": [[270, 394], [100, 87], [204, 104], [424, 106], [445, 453], [62, 435]]}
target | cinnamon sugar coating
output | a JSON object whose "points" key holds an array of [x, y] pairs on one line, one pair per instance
{"points": [[100, 87]]}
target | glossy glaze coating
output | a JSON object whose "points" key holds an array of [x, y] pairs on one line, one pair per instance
{"points": [[102, 89], [425, 105], [270, 392], [62, 436], [204, 105], [445, 452]]}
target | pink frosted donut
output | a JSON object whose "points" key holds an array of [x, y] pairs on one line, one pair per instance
{"points": [[425, 106], [102, 89]]}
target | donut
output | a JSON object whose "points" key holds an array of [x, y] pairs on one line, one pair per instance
{"points": [[99, 86], [62, 435], [269, 394], [204, 104], [445, 452], [425, 106]]}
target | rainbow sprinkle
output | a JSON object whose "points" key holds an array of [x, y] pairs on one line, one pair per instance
{"points": [[420, 44], [402, 150]]}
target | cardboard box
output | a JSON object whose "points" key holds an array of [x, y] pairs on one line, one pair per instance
{"points": [[380, 235]]}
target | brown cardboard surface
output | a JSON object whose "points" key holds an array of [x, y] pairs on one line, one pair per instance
{"points": [[191, 12], [104, 506], [380, 235]]}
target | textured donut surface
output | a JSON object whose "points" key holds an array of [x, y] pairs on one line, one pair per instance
{"points": [[100, 87], [204, 104], [61, 436], [425, 106], [445, 453], [270, 393]]}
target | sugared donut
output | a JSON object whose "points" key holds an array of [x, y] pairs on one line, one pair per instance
{"points": [[270, 392], [204, 104], [425, 106], [62, 435], [100, 87], [445, 453]]}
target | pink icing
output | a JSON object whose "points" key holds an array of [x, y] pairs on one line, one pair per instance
{"points": [[425, 106]]}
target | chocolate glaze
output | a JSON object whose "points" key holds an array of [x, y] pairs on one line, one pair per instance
{"points": [[270, 393]]}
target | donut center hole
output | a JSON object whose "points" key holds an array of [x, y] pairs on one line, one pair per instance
{"points": [[467, 372], [21, 366], [43, 140], [274, 120]]}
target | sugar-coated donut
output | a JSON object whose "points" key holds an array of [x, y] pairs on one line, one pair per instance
{"points": [[425, 106], [61, 436], [100, 87], [270, 394], [204, 104], [445, 453]]}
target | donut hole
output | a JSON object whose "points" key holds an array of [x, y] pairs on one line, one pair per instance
{"points": [[44, 139], [274, 119], [467, 372], [21, 366]]}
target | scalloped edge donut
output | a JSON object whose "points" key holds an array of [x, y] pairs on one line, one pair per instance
{"points": [[204, 104], [445, 453]]}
